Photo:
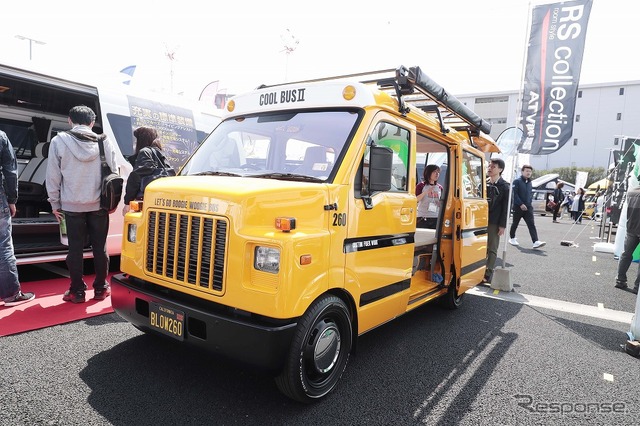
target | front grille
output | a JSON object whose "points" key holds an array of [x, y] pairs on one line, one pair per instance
{"points": [[187, 248]]}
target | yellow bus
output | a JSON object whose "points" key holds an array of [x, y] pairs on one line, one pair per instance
{"points": [[292, 229]]}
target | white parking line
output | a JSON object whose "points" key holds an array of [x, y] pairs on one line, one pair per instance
{"points": [[557, 305]]}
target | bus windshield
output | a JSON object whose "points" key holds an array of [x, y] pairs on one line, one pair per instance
{"points": [[287, 145]]}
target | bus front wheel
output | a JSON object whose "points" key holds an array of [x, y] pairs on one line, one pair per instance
{"points": [[319, 351]]}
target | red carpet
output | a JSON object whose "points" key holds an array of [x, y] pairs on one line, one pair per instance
{"points": [[48, 309]]}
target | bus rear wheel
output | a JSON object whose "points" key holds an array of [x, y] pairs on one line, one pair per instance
{"points": [[452, 300], [319, 351]]}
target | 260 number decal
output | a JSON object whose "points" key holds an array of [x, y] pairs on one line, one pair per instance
{"points": [[339, 219]]}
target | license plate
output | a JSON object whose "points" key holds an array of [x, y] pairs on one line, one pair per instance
{"points": [[166, 320]]}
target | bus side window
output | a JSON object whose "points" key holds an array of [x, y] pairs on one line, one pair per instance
{"points": [[472, 177]]}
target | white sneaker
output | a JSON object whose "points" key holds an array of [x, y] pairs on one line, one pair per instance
{"points": [[538, 244], [513, 242]]}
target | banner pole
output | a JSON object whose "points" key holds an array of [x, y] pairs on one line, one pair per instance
{"points": [[514, 155]]}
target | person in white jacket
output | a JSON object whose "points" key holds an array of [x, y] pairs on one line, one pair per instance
{"points": [[74, 179]]}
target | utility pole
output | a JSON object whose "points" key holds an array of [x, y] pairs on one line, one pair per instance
{"points": [[31, 41]]}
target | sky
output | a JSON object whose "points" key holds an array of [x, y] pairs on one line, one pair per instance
{"points": [[467, 47]]}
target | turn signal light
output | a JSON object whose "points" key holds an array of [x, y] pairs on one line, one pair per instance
{"points": [[135, 206], [285, 224]]}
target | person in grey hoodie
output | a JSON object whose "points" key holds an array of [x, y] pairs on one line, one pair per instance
{"points": [[74, 180]]}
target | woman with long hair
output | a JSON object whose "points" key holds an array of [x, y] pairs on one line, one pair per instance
{"points": [[429, 194], [147, 158]]}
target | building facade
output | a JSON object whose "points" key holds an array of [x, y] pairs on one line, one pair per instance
{"points": [[605, 115]]}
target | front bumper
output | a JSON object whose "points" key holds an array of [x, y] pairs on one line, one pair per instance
{"points": [[260, 342]]}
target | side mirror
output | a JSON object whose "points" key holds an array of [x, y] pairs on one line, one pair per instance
{"points": [[381, 162], [380, 165]]}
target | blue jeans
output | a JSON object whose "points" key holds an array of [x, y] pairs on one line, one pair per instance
{"points": [[96, 226], [631, 241], [9, 284]]}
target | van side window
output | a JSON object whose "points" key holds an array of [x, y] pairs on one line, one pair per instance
{"points": [[472, 176], [396, 138]]}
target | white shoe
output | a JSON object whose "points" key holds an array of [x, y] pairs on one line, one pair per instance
{"points": [[513, 242], [538, 244]]}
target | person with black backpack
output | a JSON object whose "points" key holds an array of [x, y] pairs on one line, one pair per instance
{"points": [[498, 199], [74, 186], [147, 160]]}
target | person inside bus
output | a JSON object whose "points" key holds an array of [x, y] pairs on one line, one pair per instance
{"points": [[147, 158], [429, 195]]}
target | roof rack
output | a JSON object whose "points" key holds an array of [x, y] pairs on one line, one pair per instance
{"points": [[433, 98], [430, 97]]}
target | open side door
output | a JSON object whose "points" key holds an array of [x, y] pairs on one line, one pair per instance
{"points": [[472, 219]]}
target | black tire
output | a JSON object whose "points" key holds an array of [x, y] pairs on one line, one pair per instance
{"points": [[452, 300], [319, 351]]}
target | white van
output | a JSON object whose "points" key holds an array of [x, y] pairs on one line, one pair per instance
{"points": [[34, 107]]}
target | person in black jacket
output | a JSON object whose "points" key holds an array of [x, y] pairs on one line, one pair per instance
{"points": [[523, 208], [147, 158], [498, 198], [558, 198]]}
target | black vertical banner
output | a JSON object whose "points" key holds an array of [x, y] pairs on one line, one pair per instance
{"points": [[552, 72]]}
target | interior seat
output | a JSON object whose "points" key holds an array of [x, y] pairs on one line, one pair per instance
{"points": [[31, 181], [315, 162]]}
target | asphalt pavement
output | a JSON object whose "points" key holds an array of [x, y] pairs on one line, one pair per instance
{"points": [[491, 362], [574, 273]]}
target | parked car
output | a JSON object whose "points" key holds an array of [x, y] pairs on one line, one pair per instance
{"points": [[540, 199], [543, 187]]}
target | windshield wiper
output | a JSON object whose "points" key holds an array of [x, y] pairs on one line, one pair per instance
{"points": [[212, 173], [288, 176]]}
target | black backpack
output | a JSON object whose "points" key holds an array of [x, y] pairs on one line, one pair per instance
{"points": [[112, 183]]}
